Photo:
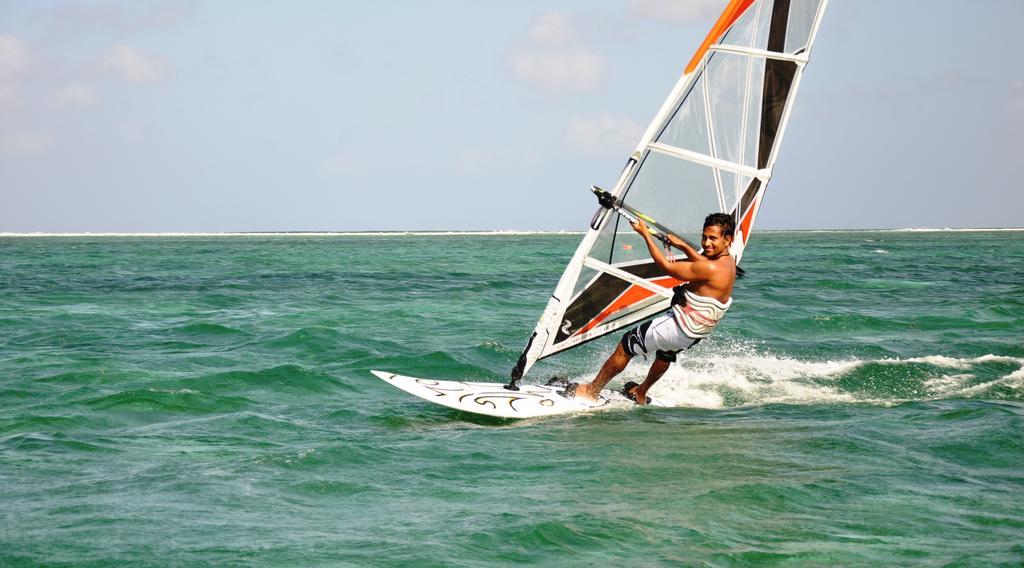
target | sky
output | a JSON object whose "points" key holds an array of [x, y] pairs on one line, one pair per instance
{"points": [[210, 116]]}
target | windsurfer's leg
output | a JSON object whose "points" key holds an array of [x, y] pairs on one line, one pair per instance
{"points": [[613, 366], [658, 369]]}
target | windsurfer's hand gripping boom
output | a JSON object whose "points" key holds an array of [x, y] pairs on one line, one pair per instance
{"points": [[683, 245], [634, 216]]}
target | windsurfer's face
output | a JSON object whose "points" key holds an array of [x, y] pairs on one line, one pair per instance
{"points": [[714, 242]]}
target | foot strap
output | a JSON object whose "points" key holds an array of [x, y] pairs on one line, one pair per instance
{"points": [[628, 392]]}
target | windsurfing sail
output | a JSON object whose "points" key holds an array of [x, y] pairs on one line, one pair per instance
{"points": [[710, 148]]}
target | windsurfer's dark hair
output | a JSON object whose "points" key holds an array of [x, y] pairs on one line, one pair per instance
{"points": [[722, 220]]}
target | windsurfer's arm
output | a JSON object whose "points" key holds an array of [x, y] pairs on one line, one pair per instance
{"points": [[683, 245], [687, 270]]}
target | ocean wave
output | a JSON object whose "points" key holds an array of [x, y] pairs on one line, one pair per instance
{"points": [[312, 338], [51, 442], [205, 329], [751, 379], [282, 378], [169, 400]]}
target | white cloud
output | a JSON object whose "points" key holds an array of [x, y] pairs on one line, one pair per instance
{"points": [[676, 11], [555, 60], [107, 17], [602, 134], [26, 143], [553, 29], [15, 56], [573, 68], [134, 66], [76, 94]]}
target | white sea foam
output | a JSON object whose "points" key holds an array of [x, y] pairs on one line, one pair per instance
{"points": [[1014, 379], [752, 379], [952, 362], [740, 376], [956, 385], [937, 360], [173, 391], [948, 384], [1000, 358]]}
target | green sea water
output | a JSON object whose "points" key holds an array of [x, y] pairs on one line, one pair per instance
{"points": [[188, 401]]}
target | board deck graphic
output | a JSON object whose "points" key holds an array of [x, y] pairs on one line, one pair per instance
{"points": [[492, 399]]}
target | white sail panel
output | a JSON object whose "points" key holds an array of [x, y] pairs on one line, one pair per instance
{"points": [[751, 28], [689, 127], [720, 115], [795, 17], [735, 84], [659, 181], [801, 24]]}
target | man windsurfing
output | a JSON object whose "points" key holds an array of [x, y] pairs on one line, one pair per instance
{"points": [[697, 307]]}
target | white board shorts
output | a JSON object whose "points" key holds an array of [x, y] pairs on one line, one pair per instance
{"points": [[662, 336]]}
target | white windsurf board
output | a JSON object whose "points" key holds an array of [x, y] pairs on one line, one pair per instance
{"points": [[493, 399]]}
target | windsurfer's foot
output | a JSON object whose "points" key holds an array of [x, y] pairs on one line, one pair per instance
{"points": [[632, 391], [586, 391]]}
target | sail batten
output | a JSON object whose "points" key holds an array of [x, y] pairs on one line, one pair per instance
{"points": [[707, 160], [710, 148], [800, 58], [661, 290]]}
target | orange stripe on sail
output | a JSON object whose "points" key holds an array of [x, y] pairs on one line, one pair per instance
{"points": [[732, 13], [633, 295], [748, 220]]}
